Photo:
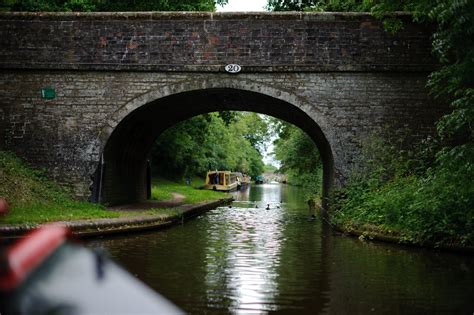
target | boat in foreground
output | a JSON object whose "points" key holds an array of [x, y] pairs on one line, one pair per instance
{"points": [[46, 273]]}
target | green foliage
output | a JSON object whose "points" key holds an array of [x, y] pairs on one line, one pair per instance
{"points": [[204, 142], [299, 158], [111, 5], [52, 5], [254, 129], [162, 189], [453, 44], [322, 5], [436, 205], [270, 168], [35, 199], [426, 193]]}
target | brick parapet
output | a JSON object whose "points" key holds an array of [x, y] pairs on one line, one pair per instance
{"points": [[206, 42]]}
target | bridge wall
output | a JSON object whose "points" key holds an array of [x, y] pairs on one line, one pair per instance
{"points": [[208, 41], [340, 70]]}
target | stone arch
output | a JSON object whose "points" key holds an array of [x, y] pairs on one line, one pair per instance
{"points": [[131, 130], [192, 85]]}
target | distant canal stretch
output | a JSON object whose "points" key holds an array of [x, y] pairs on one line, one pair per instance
{"points": [[249, 260]]}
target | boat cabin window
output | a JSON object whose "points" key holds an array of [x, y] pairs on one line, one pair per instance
{"points": [[218, 178], [213, 178]]}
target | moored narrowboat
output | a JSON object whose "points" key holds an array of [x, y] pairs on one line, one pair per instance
{"points": [[221, 181], [243, 180], [259, 179]]}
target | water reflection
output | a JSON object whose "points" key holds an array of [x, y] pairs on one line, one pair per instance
{"points": [[247, 259], [246, 250]]}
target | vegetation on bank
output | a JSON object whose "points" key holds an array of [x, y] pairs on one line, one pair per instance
{"points": [[423, 193], [163, 189], [299, 158], [395, 192], [35, 199], [220, 140]]}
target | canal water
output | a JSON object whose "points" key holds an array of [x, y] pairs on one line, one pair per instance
{"points": [[250, 260]]}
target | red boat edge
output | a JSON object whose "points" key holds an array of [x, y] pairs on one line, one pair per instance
{"points": [[47, 271], [25, 255]]}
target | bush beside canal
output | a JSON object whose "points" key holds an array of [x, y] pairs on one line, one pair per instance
{"points": [[413, 195], [35, 199]]}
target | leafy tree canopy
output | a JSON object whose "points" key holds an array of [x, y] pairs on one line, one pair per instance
{"points": [[204, 142], [453, 44], [298, 155], [425, 193], [111, 5]]}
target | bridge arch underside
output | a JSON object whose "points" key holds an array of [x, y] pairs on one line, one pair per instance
{"points": [[124, 178]]}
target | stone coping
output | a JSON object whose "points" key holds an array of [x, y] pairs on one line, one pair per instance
{"points": [[97, 227]]}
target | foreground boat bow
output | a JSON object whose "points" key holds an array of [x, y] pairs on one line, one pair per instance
{"points": [[46, 273]]}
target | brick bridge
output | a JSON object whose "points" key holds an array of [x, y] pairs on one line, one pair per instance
{"points": [[120, 79]]}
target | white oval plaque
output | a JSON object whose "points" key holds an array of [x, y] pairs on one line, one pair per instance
{"points": [[233, 68]]}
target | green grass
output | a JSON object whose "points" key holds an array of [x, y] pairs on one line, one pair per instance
{"points": [[162, 189], [37, 212], [34, 199], [431, 207]]}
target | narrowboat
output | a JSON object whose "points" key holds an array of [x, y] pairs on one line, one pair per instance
{"points": [[259, 179], [243, 180], [221, 181], [247, 179]]}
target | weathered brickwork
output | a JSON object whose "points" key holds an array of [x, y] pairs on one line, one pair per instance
{"points": [[121, 79], [207, 41]]}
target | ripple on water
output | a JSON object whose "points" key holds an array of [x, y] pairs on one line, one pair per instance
{"points": [[249, 260]]}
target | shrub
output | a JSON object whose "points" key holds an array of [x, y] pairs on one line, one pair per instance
{"points": [[435, 206]]}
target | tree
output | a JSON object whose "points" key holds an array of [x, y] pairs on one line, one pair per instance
{"points": [[204, 142], [318, 5], [254, 128], [453, 44], [436, 201], [299, 156], [178, 151], [111, 5]]}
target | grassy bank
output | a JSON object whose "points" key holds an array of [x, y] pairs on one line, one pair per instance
{"points": [[162, 189], [34, 199]]}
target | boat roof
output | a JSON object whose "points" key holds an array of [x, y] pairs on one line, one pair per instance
{"points": [[212, 172]]}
